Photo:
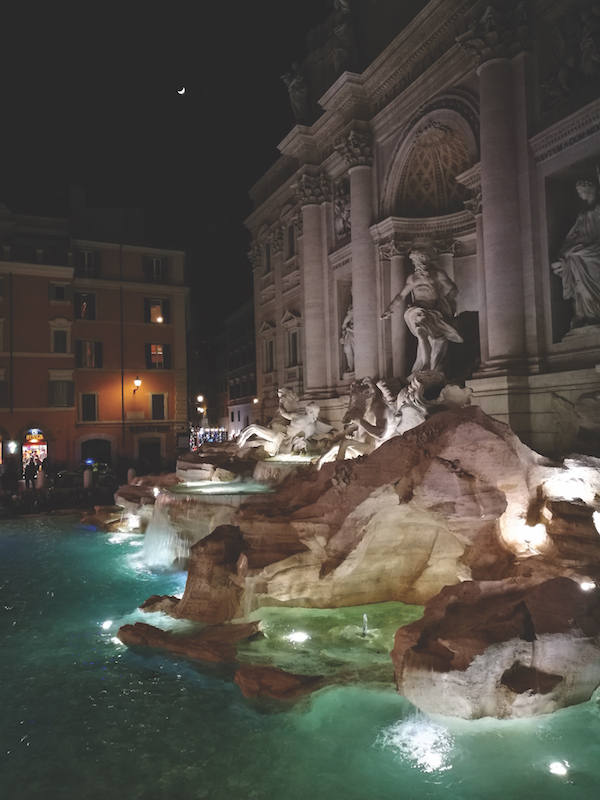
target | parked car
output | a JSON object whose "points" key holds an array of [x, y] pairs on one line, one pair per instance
{"points": [[102, 475]]}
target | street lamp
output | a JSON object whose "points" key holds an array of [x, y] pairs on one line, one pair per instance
{"points": [[137, 383]]}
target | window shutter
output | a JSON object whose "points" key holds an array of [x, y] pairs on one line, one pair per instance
{"points": [[167, 355], [146, 309], [70, 394], [97, 259], [166, 311], [91, 306], [78, 353], [98, 354], [148, 356]]}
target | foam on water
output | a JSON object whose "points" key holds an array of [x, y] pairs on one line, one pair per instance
{"points": [[85, 717]]}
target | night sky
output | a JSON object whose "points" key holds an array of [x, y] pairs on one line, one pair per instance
{"points": [[89, 97]]}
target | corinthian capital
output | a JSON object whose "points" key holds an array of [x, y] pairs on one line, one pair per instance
{"points": [[276, 240], [392, 248], [255, 255], [498, 34], [356, 149], [313, 189]]}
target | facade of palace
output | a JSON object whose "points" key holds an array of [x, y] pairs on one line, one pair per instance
{"points": [[459, 129], [81, 320]]}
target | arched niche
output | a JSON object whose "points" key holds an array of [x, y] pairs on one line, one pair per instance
{"points": [[439, 143]]}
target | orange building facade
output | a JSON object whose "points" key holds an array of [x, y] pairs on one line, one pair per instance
{"points": [[93, 349]]}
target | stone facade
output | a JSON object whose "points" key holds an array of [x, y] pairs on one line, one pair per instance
{"points": [[463, 136]]}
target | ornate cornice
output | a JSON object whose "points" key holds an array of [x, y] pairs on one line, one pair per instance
{"points": [[498, 34], [403, 230], [312, 189], [356, 149], [580, 125]]}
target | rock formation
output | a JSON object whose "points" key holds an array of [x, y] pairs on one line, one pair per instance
{"points": [[457, 513], [502, 649]]}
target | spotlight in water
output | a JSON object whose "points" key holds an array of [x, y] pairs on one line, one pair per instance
{"points": [[587, 586], [156, 491], [106, 624], [559, 768], [297, 637], [420, 742]]}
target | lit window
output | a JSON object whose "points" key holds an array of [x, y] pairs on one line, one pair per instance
{"points": [[156, 310], [89, 354], [85, 305], [157, 355]]}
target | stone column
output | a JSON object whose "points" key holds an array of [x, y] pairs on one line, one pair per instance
{"points": [[396, 253], [446, 250], [492, 42], [474, 206], [356, 151], [311, 191]]}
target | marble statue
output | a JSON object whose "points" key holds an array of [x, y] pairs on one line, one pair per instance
{"points": [[347, 338], [578, 262], [298, 91], [302, 425], [430, 313]]}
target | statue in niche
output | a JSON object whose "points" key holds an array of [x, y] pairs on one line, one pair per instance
{"points": [[347, 338], [298, 91], [342, 211], [430, 313], [578, 262]]}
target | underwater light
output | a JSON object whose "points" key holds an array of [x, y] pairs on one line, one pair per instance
{"points": [[106, 624], [559, 768], [587, 586], [156, 491], [297, 637]]}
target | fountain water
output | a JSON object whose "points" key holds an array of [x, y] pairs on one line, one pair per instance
{"points": [[365, 625], [163, 543]]}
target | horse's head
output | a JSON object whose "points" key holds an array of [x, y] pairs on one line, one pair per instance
{"points": [[361, 393]]}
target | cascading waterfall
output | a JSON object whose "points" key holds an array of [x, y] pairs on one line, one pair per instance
{"points": [[163, 543]]}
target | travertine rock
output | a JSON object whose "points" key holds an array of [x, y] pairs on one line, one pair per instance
{"points": [[501, 648], [274, 682], [214, 643]]}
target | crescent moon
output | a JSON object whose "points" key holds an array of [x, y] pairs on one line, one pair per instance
{"points": [[182, 91]]}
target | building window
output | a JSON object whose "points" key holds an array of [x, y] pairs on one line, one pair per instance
{"points": [[157, 310], [269, 355], [155, 269], [89, 407], [293, 349], [88, 354], [232, 419], [60, 394], [59, 341], [158, 406], [158, 356], [85, 305], [59, 292], [290, 242], [88, 264]]}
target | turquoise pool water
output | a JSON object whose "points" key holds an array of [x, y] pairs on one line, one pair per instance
{"points": [[85, 718]]}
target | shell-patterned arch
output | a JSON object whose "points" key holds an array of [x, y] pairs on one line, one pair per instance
{"points": [[438, 143]]}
